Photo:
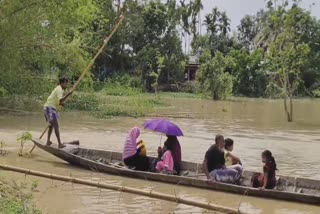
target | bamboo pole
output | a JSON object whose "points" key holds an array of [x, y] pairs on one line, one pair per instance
{"points": [[105, 41], [151, 194]]}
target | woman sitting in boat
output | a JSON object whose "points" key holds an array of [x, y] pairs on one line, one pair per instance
{"points": [[230, 159], [134, 153], [267, 179], [166, 164], [176, 152]]}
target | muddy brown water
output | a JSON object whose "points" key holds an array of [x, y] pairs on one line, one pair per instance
{"points": [[254, 124]]}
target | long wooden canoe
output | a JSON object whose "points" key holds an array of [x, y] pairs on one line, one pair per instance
{"points": [[288, 188]]}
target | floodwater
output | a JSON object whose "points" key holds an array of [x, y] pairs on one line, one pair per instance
{"points": [[254, 124]]}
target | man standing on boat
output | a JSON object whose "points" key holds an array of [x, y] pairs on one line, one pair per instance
{"points": [[54, 101], [214, 164]]}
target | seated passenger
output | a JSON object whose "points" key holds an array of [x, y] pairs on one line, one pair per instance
{"points": [[166, 164], [134, 154], [176, 152], [142, 147], [214, 164], [230, 158], [267, 179]]}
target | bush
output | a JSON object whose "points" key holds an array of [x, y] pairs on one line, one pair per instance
{"points": [[15, 84], [116, 89], [189, 87], [101, 105], [16, 199], [274, 91], [3, 92], [22, 102], [83, 102], [316, 93], [213, 78]]}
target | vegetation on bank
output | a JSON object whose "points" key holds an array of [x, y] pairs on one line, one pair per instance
{"points": [[103, 106], [17, 198], [97, 104]]}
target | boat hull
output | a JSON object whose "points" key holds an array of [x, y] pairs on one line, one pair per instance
{"points": [[102, 161]]}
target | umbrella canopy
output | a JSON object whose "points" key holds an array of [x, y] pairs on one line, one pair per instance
{"points": [[163, 126]]}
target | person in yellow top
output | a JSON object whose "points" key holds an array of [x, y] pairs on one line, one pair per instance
{"points": [[55, 100], [229, 158]]}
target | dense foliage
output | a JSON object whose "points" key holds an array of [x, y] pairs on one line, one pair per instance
{"points": [[275, 53]]}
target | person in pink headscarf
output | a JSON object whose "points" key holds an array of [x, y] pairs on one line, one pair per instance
{"points": [[131, 152]]}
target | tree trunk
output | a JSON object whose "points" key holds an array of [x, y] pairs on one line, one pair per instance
{"points": [[118, 6], [289, 112]]}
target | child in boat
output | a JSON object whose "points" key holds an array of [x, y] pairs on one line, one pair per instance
{"points": [[267, 179], [230, 159], [166, 163], [131, 152], [142, 147], [154, 162]]}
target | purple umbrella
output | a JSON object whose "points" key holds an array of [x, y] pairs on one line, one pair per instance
{"points": [[163, 126]]}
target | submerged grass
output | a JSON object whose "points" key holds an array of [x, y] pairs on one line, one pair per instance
{"points": [[22, 102], [111, 100], [182, 95], [16, 198], [101, 105]]}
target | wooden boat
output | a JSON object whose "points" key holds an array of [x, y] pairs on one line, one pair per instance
{"points": [[288, 188]]}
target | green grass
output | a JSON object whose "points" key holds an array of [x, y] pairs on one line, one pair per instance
{"points": [[113, 89], [22, 102], [113, 99], [182, 95], [108, 102], [16, 199], [101, 105]]}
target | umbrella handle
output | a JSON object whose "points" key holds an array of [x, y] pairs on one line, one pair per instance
{"points": [[160, 141]]}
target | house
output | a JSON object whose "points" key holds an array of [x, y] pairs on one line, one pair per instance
{"points": [[191, 69]]}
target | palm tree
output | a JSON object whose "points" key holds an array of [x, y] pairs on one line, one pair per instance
{"points": [[211, 21], [185, 14], [195, 8], [224, 23], [247, 30]]}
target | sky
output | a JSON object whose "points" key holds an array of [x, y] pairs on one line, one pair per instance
{"points": [[237, 9]]}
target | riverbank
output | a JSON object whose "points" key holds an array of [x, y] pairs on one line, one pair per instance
{"points": [[103, 104]]}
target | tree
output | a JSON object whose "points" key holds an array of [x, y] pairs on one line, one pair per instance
{"points": [[211, 21], [286, 59], [224, 24], [195, 7], [249, 77], [217, 37], [161, 42], [212, 76], [41, 38], [247, 31]]}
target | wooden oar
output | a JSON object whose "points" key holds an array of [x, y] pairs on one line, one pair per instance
{"points": [[147, 193], [105, 41], [34, 146]]}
